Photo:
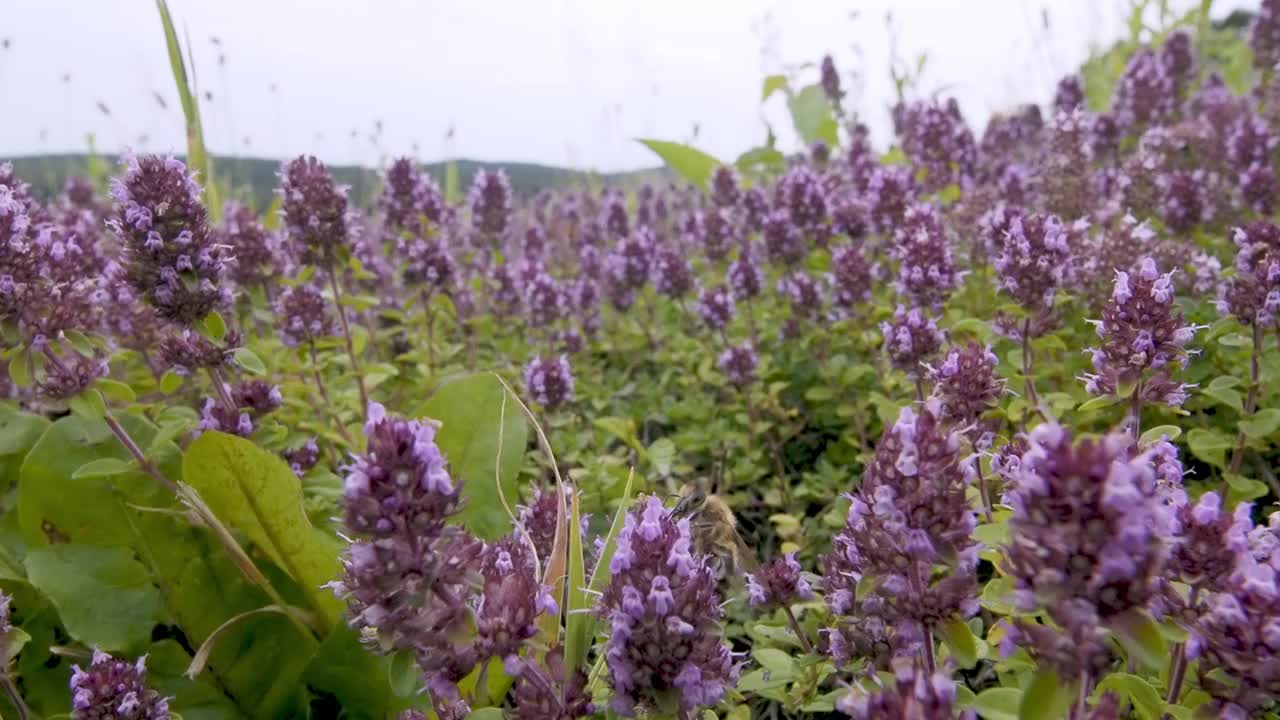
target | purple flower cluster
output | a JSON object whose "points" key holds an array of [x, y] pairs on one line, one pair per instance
{"points": [[314, 210], [1087, 542], [910, 338], [253, 249], [304, 315], [966, 384], [915, 695], [1252, 294], [112, 689], [715, 306], [665, 645], [935, 138], [1145, 92], [549, 381], [745, 277], [1033, 260], [909, 516], [672, 275], [238, 408], [738, 363], [490, 201], [1144, 339], [411, 201], [851, 279], [171, 257], [926, 270], [1264, 36], [779, 582]]}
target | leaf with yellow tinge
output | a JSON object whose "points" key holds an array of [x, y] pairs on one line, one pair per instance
{"points": [[255, 491]]}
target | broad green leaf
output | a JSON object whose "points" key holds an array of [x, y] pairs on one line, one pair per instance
{"points": [[1141, 638], [1243, 489], [116, 390], [485, 714], [1225, 396], [761, 158], [18, 432], [772, 84], [662, 453], [779, 663], [20, 371], [470, 410], [250, 361], [1097, 403], [1264, 423], [198, 699], [360, 680], [811, 114], [1209, 445], [961, 642], [1046, 698], [103, 467], [255, 491], [688, 162], [104, 596], [1154, 435], [622, 428], [88, 404], [1146, 700], [170, 382], [215, 326], [1000, 703]]}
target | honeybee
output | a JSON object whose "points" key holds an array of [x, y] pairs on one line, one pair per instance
{"points": [[714, 531]]}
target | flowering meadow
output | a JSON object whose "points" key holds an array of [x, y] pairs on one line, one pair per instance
{"points": [[997, 413]]}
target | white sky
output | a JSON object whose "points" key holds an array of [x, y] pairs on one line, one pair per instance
{"points": [[568, 82]]}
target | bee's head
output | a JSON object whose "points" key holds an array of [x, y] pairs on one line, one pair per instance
{"points": [[691, 501]]}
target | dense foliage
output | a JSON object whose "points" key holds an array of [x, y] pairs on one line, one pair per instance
{"points": [[996, 415]]}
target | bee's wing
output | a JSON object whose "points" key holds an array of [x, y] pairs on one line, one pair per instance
{"points": [[748, 556]]}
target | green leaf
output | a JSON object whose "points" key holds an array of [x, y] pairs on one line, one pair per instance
{"points": [[20, 371], [256, 492], [577, 638], [1235, 340], [470, 410], [772, 84], [761, 158], [103, 467], [1225, 396], [812, 117], [779, 663], [1097, 403], [1046, 698], [1000, 703], [485, 714], [19, 431], [214, 325], [250, 361], [1209, 445], [1153, 435], [1146, 699], [662, 452], [961, 642], [116, 390], [11, 643], [688, 162], [1141, 638], [1264, 423], [359, 680], [104, 596], [1243, 489], [88, 404], [170, 382]]}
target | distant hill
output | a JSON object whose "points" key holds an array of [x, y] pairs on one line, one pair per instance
{"points": [[254, 179]]}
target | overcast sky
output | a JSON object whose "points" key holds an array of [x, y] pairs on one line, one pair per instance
{"points": [[568, 82]]}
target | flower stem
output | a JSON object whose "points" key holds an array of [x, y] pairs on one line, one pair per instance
{"points": [[324, 396], [795, 628], [1251, 400], [1030, 382], [1179, 668], [220, 389], [983, 491], [346, 334], [15, 697], [1135, 410]]}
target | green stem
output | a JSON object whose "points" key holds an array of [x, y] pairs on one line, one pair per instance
{"points": [[351, 347], [1251, 400]]}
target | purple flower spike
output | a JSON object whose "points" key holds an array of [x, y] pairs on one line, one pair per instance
{"points": [[780, 582], [966, 383], [304, 315], [314, 209], [411, 201], [112, 689], [664, 618], [1252, 295], [1033, 260], [1069, 96], [738, 363], [715, 307], [171, 257], [915, 695], [1144, 339], [911, 338], [926, 271], [490, 201], [745, 277], [549, 381], [851, 280], [257, 257], [1264, 36]]}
